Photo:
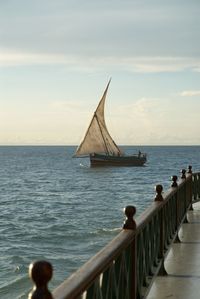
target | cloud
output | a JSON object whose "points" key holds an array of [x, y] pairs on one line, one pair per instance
{"points": [[163, 64], [88, 64], [190, 93], [156, 121], [137, 121], [145, 37], [53, 122], [12, 58]]}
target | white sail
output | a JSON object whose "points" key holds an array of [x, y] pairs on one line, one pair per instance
{"points": [[97, 138]]}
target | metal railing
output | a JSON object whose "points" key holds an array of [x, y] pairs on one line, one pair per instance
{"points": [[127, 266]]}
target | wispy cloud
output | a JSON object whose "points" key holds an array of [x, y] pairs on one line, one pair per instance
{"points": [[12, 58], [155, 121], [163, 64], [138, 120], [83, 63], [190, 93]]}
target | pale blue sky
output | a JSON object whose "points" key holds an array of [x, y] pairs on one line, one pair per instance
{"points": [[56, 58]]}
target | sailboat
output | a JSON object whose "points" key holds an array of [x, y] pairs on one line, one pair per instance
{"points": [[99, 145]]}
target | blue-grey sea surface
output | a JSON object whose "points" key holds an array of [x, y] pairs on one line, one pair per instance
{"points": [[57, 208]]}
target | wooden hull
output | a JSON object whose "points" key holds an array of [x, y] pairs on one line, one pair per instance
{"points": [[108, 160]]}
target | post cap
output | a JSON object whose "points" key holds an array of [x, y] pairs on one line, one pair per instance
{"points": [[159, 190], [129, 222], [189, 169], [174, 179], [183, 172], [41, 273]]}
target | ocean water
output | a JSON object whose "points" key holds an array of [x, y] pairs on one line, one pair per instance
{"points": [[57, 208]]}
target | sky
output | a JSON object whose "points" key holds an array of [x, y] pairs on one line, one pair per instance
{"points": [[56, 58]]}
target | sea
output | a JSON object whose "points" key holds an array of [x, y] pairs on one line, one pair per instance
{"points": [[55, 207]]}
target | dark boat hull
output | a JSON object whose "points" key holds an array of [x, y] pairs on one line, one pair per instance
{"points": [[108, 160]]}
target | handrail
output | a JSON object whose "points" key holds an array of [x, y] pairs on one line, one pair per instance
{"points": [[127, 266], [94, 267]]}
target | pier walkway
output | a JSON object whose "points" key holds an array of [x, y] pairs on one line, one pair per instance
{"points": [[182, 264]]}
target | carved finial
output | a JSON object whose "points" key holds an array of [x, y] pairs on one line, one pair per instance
{"points": [[129, 222], [189, 169], [159, 189], [174, 181], [183, 176], [41, 273]]}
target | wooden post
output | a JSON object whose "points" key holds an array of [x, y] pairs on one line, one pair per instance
{"points": [[159, 197], [175, 185], [159, 190], [174, 181], [190, 172], [131, 224], [183, 172], [183, 177], [189, 169], [41, 273]]}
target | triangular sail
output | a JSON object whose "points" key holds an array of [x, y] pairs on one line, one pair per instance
{"points": [[97, 138]]}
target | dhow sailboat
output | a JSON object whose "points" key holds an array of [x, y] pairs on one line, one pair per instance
{"points": [[99, 145]]}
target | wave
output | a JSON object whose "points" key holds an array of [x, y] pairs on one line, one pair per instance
{"points": [[17, 288]]}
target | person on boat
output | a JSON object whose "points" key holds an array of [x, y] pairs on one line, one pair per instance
{"points": [[139, 154]]}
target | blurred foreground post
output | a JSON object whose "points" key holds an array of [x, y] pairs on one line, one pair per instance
{"points": [[41, 273]]}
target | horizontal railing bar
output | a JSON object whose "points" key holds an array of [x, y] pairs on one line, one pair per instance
{"points": [[83, 277]]}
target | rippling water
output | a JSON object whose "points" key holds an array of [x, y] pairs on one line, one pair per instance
{"points": [[57, 208]]}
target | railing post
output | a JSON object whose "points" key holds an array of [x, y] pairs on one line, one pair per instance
{"points": [[174, 181], [41, 273], [131, 224], [190, 187], [183, 177], [159, 197], [189, 169], [159, 190], [183, 172], [175, 185]]}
